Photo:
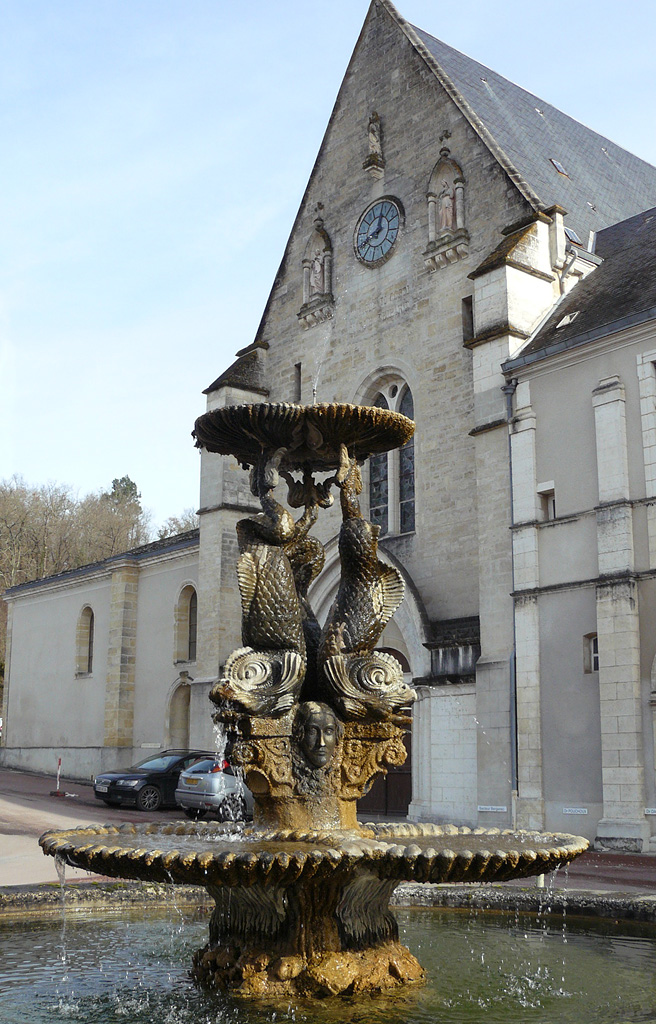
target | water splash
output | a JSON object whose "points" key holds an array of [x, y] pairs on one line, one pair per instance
{"points": [[321, 360]]}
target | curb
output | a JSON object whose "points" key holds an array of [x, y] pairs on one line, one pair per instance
{"points": [[596, 903], [50, 898]]}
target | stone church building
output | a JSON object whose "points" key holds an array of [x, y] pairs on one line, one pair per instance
{"points": [[469, 255]]}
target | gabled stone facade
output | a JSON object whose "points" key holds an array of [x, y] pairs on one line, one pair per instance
{"points": [[480, 259], [431, 261]]}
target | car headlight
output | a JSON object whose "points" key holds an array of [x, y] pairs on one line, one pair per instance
{"points": [[128, 782]]}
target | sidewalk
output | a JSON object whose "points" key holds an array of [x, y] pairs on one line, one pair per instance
{"points": [[27, 809]]}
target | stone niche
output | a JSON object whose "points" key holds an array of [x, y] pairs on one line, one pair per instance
{"points": [[448, 238], [318, 301]]}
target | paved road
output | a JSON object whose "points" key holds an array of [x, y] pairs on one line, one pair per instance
{"points": [[27, 810]]}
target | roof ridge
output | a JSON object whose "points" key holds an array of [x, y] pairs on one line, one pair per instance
{"points": [[465, 107]]}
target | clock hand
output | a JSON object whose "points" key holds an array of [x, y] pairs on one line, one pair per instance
{"points": [[374, 234]]}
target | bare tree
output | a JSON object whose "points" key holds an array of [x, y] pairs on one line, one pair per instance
{"points": [[48, 529], [187, 520]]}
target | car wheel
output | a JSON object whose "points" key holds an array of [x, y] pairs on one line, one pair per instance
{"points": [[233, 808], [195, 813], [149, 798]]}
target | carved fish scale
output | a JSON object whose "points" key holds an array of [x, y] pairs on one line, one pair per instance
{"points": [[271, 612]]}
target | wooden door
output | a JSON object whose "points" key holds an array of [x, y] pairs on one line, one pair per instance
{"points": [[391, 794]]}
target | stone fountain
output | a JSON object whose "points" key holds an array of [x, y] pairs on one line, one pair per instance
{"points": [[315, 714]]}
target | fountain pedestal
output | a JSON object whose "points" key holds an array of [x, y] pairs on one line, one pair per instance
{"points": [[329, 932], [289, 793]]}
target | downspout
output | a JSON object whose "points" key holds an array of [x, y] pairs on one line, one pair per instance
{"points": [[509, 390], [566, 269]]}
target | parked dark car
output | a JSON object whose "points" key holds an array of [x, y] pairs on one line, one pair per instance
{"points": [[149, 784]]}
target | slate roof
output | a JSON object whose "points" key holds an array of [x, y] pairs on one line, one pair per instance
{"points": [[618, 294], [529, 132], [246, 372], [177, 541]]}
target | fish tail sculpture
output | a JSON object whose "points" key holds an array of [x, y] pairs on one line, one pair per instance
{"points": [[307, 558], [359, 682], [265, 676]]}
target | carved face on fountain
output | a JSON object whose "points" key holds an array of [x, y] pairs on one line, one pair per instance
{"points": [[317, 732]]}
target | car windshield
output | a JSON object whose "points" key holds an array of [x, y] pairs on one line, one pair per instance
{"points": [[156, 764]]}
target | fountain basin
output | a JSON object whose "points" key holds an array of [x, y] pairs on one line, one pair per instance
{"points": [[310, 434], [307, 912], [231, 854]]}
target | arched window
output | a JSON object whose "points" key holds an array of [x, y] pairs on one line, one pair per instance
{"points": [[379, 481], [186, 625], [84, 642], [392, 475], [193, 624], [407, 470]]}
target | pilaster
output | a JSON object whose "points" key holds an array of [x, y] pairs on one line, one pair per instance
{"points": [[494, 732], [623, 825], [7, 682], [121, 656], [530, 795], [647, 384]]}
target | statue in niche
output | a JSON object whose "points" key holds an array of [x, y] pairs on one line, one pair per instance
{"points": [[447, 213], [448, 238], [375, 139], [316, 274]]}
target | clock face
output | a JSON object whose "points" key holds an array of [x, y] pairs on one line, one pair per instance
{"points": [[377, 231]]}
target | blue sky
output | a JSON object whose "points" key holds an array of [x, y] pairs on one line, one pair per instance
{"points": [[154, 155]]}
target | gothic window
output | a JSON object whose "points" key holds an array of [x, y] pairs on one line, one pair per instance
{"points": [[84, 642], [379, 482], [193, 623], [392, 475], [186, 624], [407, 470]]}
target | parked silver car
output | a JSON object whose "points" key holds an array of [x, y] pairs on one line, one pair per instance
{"points": [[211, 786]]}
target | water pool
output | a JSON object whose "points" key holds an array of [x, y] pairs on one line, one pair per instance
{"points": [[132, 969]]}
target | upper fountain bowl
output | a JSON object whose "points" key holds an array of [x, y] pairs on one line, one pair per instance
{"points": [[311, 435]]}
